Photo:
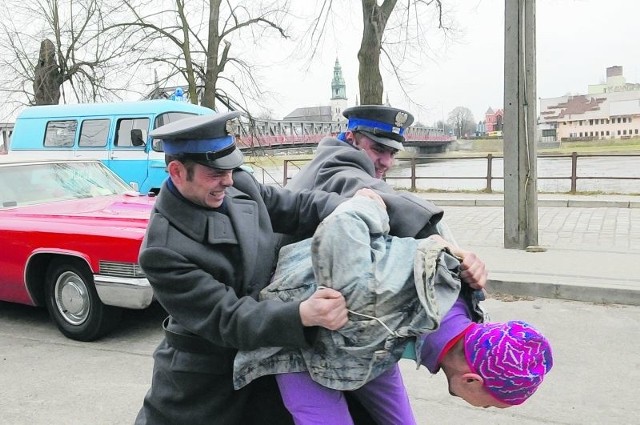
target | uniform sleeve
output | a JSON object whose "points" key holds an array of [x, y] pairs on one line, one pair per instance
{"points": [[409, 215], [291, 212], [209, 308]]}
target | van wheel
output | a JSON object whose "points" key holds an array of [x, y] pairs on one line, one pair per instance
{"points": [[73, 303]]}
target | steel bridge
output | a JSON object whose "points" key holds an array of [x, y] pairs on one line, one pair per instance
{"points": [[287, 134]]}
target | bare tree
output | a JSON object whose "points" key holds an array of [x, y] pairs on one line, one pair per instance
{"points": [[442, 125], [193, 41], [461, 120], [385, 24], [55, 49], [90, 50]]}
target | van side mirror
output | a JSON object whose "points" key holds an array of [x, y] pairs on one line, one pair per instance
{"points": [[156, 144], [136, 137]]}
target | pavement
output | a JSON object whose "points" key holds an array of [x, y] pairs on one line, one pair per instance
{"points": [[592, 254], [590, 245]]}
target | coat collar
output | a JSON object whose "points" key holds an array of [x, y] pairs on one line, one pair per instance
{"points": [[243, 212], [207, 226]]}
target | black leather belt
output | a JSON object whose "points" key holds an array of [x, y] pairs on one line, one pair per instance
{"points": [[188, 343]]}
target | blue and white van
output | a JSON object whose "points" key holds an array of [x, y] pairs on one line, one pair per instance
{"points": [[115, 133]]}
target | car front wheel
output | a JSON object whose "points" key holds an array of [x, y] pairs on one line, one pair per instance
{"points": [[73, 303]]}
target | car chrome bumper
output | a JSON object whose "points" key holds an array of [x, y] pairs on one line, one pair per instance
{"points": [[134, 293]]}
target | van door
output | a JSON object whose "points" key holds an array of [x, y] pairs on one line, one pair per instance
{"points": [[128, 154]]}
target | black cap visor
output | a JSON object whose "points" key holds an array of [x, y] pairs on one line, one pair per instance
{"points": [[379, 138], [226, 159]]}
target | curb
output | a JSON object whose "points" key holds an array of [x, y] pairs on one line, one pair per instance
{"points": [[625, 294]]}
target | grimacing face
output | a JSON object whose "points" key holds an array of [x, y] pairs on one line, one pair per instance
{"points": [[383, 157], [202, 185]]}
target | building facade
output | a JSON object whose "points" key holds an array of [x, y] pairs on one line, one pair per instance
{"points": [[491, 126], [610, 110]]}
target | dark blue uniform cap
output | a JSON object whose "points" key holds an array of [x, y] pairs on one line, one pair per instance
{"points": [[206, 139], [382, 124]]}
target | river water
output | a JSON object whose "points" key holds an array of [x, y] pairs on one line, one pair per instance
{"points": [[553, 174], [469, 174]]}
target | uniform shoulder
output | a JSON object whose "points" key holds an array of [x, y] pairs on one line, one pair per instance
{"points": [[244, 173], [157, 231]]}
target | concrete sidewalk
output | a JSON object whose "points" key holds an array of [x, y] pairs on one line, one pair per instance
{"points": [[591, 243]]}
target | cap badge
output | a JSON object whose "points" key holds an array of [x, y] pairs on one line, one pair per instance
{"points": [[401, 119], [233, 126]]}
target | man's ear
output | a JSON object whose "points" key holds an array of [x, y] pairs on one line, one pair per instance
{"points": [[473, 380], [177, 171], [350, 137]]}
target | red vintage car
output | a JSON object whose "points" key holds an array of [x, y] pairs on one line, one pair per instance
{"points": [[70, 232]]}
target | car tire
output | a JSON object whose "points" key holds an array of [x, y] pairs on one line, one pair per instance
{"points": [[73, 303]]}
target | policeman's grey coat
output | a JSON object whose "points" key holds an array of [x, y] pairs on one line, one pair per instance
{"points": [[406, 283], [339, 167], [188, 255]]}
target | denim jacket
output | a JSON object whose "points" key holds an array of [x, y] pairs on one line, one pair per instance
{"points": [[395, 288]]}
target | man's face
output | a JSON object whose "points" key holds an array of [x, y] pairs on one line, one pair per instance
{"points": [[382, 156], [203, 186]]}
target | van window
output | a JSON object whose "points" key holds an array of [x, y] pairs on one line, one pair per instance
{"points": [[94, 133], [168, 117], [123, 131], [60, 133]]}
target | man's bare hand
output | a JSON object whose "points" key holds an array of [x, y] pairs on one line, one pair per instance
{"points": [[473, 270], [326, 308], [369, 193]]}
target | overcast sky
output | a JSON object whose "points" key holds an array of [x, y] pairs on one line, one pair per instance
{"points": [[576, 41]]}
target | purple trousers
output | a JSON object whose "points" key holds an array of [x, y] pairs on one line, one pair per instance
{"points": [[385, 398]]}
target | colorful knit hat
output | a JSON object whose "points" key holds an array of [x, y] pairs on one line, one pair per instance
{"points": [[512, 358]]}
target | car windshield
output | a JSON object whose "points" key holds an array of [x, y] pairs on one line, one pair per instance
{"points": [[31, 184]]}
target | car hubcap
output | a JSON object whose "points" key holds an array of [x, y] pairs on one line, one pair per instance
{"points": [[72, 298]]}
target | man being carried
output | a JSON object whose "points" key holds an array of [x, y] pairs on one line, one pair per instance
{"points": [[396, 290]]}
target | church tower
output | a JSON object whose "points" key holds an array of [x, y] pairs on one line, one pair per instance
{"points": [[338, 93]]}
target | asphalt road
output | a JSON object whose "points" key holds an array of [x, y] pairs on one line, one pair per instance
{"points": [[48, 379]]}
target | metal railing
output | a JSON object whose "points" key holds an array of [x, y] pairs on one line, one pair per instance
{"points": [[489, 177]]}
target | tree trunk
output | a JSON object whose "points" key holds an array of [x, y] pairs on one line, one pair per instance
{"points": [[47, 76], [369, 78], [189, 73], [213, 46]]}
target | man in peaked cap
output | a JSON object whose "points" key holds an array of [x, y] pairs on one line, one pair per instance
{"points": [[382, 124], [205, 139], [378, 131], [209, 249], [358, 158]]}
